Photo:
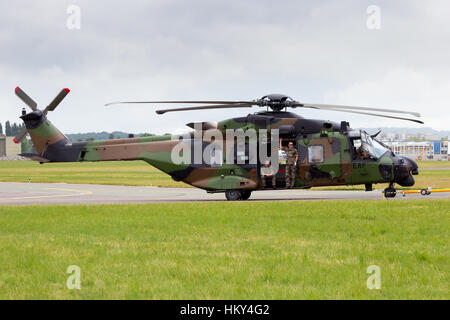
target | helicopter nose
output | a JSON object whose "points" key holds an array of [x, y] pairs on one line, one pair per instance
{"points": [[404, 170], [413, 167]]}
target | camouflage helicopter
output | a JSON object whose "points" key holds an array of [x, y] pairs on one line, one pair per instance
{"points": [[330, 153]]}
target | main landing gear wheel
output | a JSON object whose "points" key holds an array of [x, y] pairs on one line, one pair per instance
{"points": [[245, 194], [234, 195]]}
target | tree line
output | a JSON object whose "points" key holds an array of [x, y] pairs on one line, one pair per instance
{"points": [[11, 130]]}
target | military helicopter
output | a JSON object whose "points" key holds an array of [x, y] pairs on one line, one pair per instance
{"points": [[330, 153]]}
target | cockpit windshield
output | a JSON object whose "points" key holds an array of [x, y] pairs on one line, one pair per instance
{"points": [[372, 146]]}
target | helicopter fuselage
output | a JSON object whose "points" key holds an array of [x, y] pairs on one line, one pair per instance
{"points": [[327, 153]]}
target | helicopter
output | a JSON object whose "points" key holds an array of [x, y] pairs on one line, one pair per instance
{"points": [[330, 153]]}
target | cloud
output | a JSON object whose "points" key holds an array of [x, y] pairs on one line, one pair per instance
{"points": [[140, 50], [403, 89]]}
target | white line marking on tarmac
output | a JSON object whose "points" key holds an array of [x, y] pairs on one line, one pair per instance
{"points": [[79, 193]]}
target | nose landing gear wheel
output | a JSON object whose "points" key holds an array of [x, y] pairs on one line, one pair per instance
{"points": [[390, 192]]}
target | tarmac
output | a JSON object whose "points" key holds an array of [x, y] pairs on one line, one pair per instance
{"points": [[16, 193]]}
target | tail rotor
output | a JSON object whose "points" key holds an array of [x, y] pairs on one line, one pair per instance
{"points": [[33, 106]]}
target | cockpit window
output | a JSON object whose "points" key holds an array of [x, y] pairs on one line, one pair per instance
{"points": [[371, 146]]}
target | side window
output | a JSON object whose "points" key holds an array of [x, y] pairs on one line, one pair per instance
{"points": [[216, 158], [241, 153], [356, 148], [315, 154]]}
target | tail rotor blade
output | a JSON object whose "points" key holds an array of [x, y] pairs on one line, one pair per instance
{"points": [[61, 95], [26, 99], [20, 136]]}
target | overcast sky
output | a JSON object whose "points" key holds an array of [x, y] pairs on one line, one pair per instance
{"points": [[313, 51]]}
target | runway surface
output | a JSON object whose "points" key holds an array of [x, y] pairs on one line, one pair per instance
{"points": [[15, 193]]}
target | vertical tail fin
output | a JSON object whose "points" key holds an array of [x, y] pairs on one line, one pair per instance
{"points": [[43, 133]]}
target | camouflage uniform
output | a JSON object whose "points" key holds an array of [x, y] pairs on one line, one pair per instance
{"points": [[361, 154], [268, 173], [291, 156]]}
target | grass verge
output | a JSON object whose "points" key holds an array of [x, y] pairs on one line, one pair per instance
{"points": [[253, 250], [138, 173]]}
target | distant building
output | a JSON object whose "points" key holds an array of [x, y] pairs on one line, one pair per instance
{"points": [[426, 150], [8, 148]]}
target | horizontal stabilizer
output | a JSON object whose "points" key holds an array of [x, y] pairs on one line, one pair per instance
{"points": [[203, 125], [34, 157]]}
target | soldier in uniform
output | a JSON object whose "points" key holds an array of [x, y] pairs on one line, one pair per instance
{"points": [[291, 162], [268, 173], [362, 154]]}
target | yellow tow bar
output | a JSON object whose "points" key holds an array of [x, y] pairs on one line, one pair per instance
{"points": [[424, 192]]}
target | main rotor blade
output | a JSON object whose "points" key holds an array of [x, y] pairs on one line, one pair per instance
{"points": [[181, 102], [416, 114], [369, 114], [57, 100], [26, 99], [19, 137], [219, 106]]}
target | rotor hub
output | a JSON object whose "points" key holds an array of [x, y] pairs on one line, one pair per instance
{"points": [[276, 102]]}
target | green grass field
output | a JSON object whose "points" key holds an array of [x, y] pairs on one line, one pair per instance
{"points": [[138, 173], [129, 173], [433, 164], [253, 250]]}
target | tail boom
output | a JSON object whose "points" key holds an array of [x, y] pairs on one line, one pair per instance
{"points": [[53, 146]]}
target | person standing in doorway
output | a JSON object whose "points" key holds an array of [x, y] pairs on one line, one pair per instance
{"points": [[291, 163]]}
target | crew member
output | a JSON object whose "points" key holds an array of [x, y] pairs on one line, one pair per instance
{"points": [[291, 163], [361, 154], [268, 173]]}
